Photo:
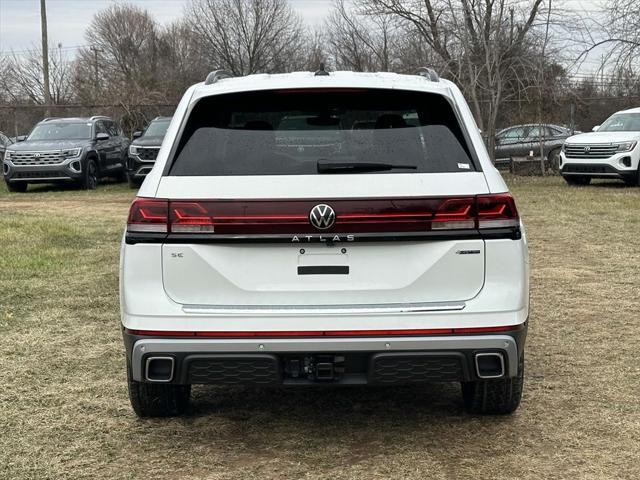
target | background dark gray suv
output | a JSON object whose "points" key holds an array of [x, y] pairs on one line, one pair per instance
{"points": [[144, 150], [78, 150]]}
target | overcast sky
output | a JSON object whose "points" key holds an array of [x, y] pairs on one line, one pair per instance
{"points": [[68, 19]]}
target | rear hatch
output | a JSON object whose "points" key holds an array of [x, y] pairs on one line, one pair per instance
{"points": [[321, 212]]}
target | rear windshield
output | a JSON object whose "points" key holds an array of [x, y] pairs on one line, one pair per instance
{"points": [[307, 132]]}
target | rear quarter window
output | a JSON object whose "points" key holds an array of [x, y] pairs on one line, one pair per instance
{"points": [[291, 132]]}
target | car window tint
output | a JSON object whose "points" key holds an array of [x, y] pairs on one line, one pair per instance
{"points": [[112, 129], [535, 132], [289, 132], [514, 134], [101, 128]]}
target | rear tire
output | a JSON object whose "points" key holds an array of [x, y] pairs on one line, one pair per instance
{"points": [[501, 396], [635, 180], [121, 176], [553, 160], [157, 399], [17, 187], [577, 180]]}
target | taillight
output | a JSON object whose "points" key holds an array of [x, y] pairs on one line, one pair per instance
{"points": [[240, 218], [454, 213], [497, 211], [190, 217], [148, 215]]}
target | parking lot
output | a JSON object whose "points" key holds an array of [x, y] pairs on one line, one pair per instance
{"points": [[64, 411]]}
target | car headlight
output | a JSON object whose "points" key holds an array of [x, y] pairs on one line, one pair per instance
{"points": [[72, 152], [133, 150], [7, 154], [625, 146]]}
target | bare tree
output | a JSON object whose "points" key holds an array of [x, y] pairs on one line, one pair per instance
{"points": [[481, 44], [315, 51], [125, 54], [360, 43], [181, 58], [621, 34], [248, 36], [24, 80]]}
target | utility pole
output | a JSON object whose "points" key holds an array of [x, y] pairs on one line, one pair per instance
{"points": [[45, 54], [96, 80]]}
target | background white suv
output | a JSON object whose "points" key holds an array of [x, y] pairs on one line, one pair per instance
{"points": [[342, 229], [610, 151]]}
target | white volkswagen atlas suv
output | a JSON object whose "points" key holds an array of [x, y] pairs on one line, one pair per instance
{"points": [[324, 229], [610, 151]]}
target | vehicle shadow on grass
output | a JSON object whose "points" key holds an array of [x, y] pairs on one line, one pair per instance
{"points": [[366, 421], [610, 184], [319, 403]]}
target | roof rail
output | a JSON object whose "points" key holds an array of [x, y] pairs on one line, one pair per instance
{"points": [[95, 117], [216, 75], [428, 73], [321, 72], [49, 118]]}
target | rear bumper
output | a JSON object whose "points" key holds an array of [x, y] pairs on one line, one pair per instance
{"points": [[296, 361]]}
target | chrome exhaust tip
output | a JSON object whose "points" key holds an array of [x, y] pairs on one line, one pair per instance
{"points": [[489, 365], [159, 369]]}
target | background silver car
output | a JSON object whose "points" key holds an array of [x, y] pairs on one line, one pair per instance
{"points": [[520, 140]]}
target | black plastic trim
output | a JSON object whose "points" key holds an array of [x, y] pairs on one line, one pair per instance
{"points": [[596, 170], [323, 270], [359, 378]]}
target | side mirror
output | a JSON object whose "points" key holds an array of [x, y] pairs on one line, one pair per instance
{"points": [[137, 134], [21, 138], [102, 136], [596, 128]]}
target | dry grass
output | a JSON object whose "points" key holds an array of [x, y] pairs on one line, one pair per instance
{"points": [[64, 411]]}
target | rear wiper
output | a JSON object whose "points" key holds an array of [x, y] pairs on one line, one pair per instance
{"points": [[351, 167]]}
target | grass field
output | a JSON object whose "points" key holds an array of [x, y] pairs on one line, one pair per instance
{"points": [[64, 411]]}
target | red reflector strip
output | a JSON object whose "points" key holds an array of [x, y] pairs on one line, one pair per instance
{"points": [[329, 333]]}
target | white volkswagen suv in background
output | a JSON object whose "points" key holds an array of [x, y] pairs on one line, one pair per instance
{"points": [[610, 151], [324, 229]]}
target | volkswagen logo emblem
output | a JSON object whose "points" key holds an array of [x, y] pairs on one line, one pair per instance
{"points": [[36, 155], [587, 149], [322, 216]]}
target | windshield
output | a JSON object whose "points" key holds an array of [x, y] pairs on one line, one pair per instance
{"points": [[622, 122], [310, 132], [61, 131], [157, 128]]}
